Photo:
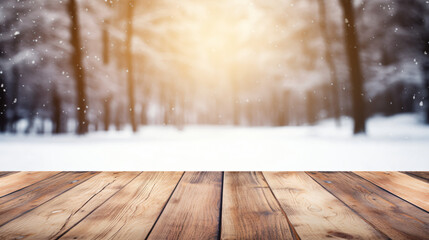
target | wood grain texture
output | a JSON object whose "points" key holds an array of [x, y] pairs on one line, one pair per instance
{"points": [[26, 199], [194, 209], [14, 182], [53, 218], [131, 213], [249, 209], [53, 182], [424, 176], [4, 174], [314, 212], [394, 217], [402, 185]]}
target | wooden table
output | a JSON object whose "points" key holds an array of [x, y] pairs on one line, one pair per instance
{"points": [[214, 205]]}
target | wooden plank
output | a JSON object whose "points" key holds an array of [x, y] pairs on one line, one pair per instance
{"points": [[394, 217], [53, 218], [314, 212], [26, 199], [424, 176], [4, 174], [53, 182], [249, 209], [194, 209], [131, 213], [14, 182], [402, 185]]}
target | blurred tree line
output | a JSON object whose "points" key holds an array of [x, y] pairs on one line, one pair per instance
{"points": [[82, 66]]}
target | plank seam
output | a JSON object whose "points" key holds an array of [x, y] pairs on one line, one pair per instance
{"points": [[416, 176], [166, 203], [96, 207], [36, 189], [83, 205], [221, 208], [391, 192], [7, 173], [293, 231], [360, 216], [23, 213], [43, 179]]}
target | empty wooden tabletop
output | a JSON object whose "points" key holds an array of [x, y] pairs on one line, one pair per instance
{"points": [[214, 205]]}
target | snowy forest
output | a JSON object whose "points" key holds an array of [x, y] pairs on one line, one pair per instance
{"points": [[75, 66]]}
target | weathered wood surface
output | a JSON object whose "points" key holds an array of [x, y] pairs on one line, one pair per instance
{"points": [[132, 212], [249, 210], [315, 213], [213, 205], [402, 185], [14, 182], [419, 175], [193, 211], [388, 213], [4, 174], [53, 218], [53, 183], [26, 199]]}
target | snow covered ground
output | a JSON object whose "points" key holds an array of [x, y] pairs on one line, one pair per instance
{"points": [[395, 143]]}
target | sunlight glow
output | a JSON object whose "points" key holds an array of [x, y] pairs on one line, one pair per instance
{"points": [[220, 43]]}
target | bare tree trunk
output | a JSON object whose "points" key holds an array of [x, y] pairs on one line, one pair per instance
{"points": [[129, 55], [426, 86], [107, 113], [106, 56], [311, 108], [106, 59], [329, 61], [3, 89], [15, 96], [118, 123], [3, 96], [166, 103], [33, 111], [143, 115], [356, 77], [286, 108], [97, 123], [41, 130], [56, 112], [79, 74], [16, 77], [425, 66], [144, 105]]}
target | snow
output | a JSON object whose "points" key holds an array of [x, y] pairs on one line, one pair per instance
{"points": [[395, 143]]}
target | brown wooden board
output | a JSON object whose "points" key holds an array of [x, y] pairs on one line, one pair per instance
{"points": [[131, 213], [4, 174], [14, 182], [26, 199], [158, 205], [388, 213], [314, 212], [424, 176], [249, 209], [193, 211], [53, 218], [402, 185], [53, 182]]}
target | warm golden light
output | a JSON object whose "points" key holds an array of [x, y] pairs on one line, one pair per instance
{"points": [[227, 51]]}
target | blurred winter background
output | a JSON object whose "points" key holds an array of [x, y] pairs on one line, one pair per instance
{"points": [[214, 85]]}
